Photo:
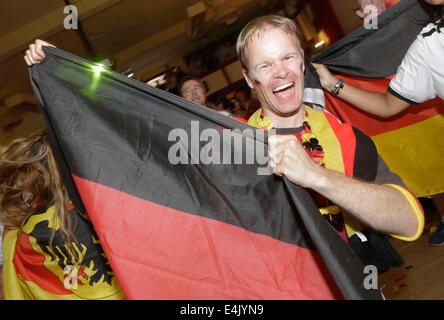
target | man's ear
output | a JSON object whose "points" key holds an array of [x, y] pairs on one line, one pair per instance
{"points": [[247, 78], [360, 13]]}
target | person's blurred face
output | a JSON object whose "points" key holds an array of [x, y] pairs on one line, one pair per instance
{"points": [[276, 71], [237, 105], [193, 90], [242, 97]]}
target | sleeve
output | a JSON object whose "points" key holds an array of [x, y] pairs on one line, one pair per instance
{"points": [[413, 81], [391, 179], [385, 176], [414, 203]]}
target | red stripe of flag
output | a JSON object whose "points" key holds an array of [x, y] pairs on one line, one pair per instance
{"points": [[158, 252], [372, 125]]}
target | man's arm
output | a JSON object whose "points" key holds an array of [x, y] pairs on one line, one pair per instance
{"points": [[380, 206], [381, 104]]}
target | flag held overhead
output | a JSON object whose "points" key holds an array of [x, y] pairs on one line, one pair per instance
{"points": [[185, 230]]}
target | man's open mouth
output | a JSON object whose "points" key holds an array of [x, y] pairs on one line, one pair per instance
{"points": [[283, 88]]}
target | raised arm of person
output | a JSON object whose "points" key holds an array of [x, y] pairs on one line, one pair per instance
{"points": [[35, 53], [386, 208], [380, 104]]}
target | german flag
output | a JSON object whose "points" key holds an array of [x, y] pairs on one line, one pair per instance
{"points": [[173, 222], [35, 270], [369, 58]]}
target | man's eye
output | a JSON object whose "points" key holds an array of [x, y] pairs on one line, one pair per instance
{"points": [[264, 67], [288, 58]]}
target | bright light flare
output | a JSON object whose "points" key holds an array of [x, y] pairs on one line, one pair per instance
{"points": [[320, 43], [98, 69]]}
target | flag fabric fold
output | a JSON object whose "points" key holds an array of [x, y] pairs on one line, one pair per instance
{"points": [[178, 214]]}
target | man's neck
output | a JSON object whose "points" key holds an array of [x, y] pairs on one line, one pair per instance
{"points": [[294, 121]]}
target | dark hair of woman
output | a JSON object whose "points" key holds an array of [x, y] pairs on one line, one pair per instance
{"points": [[435, 12]]}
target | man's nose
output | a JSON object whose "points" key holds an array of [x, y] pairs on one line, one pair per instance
{"points": [[280, 71]]}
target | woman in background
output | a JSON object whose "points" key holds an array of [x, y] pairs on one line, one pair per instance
{"points": [[50, 251]]}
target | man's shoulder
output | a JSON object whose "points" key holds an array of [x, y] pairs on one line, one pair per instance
{"points": [[320, 114], [333, 121], [326, 123]]}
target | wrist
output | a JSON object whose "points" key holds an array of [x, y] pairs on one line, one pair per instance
{"points": [[331, 84], [337, 87], [318, 177]]}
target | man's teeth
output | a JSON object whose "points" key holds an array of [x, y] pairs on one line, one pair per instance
{"points": [[283, 87]]}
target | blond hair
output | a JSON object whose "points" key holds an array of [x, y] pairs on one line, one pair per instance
{"points": [[259, 25], [29, 182]]}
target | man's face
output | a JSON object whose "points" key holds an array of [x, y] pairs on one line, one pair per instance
{"points": [[194, 91], [276, 70]]}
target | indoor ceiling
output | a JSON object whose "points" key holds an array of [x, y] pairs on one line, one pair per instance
{"points": [[138, 36], [143, 37]]}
